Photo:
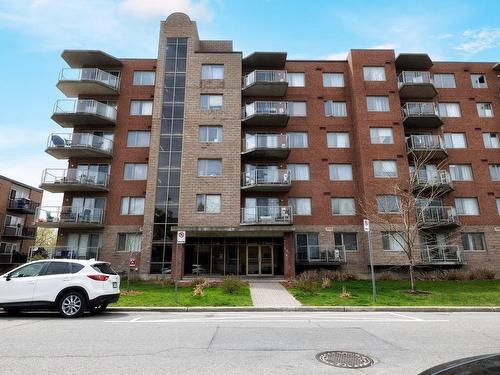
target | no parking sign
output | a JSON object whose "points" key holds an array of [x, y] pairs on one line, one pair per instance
{"points": [[181, 236]]}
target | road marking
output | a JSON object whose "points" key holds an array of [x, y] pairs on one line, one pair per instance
{"points": [[405, 316]]}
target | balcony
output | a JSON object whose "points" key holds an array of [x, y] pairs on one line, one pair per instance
{"points": [[438, 182], [70, 217], [334, 255], [79, 145], [267, 215], [64, 252], [442, 255], [265, 83], [265, 60], [19, 232], [424, 147], [265, 146], [413, 61], [265, 113], [69, 113], [421, 114], [266, 180], [62, 180], [6, 257], [437, 217], [22, 205], [415, 84], [87, 81], [81, 58]]}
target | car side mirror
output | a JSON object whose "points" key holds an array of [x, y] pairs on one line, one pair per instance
{"points": [[8, 277]]}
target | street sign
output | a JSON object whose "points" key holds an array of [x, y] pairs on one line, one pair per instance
{"points": [[132, 262], [181, 236], [366, 225]]}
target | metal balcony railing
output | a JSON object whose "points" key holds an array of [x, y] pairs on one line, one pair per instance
{"points": [[437, 178], [265, 142], [414, 78], [63, 252], [267, 215], [264, 108], [264, 76], [90, 74], [317, 254], [419, 109], [431, 216], [79, 141], [266, 177], [85, 106], [20, 231], [425, 142], [75, 177], [442, 254], [22, 204], [69, 215]]}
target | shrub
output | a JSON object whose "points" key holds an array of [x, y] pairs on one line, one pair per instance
{"points": [[455, 274], [200, 281], [326, 283], [481, 274], [345, 294], [305, 284], [198, 291], [231, 284], [386, 276]]}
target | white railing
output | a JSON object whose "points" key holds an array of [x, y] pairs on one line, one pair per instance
{"points": [[75, 177], [431, 178], [421, 142], [442, 254], [69, 215], [266, 177], [265, 142], [19, 231], [85, 106], [265, 108], [413, 78], [63, 252], [428, 216], [23, 204], [80, 140], [317, 254], [268, 76], [267, 215], [90, 74], [6, 257], [419, 109]]}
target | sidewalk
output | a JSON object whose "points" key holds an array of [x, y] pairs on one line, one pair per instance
{"points": [[271, 295]]}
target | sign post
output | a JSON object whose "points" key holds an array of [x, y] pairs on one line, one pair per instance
{"points": [[181, 239], [366, 228], [132, 263]]}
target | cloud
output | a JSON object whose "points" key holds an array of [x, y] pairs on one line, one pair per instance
{"points": [[336, 56], [14, 137], [476, 40], [384, 46], [198, 10]]}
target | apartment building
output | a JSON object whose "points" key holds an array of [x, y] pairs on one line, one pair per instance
{"points": [[18, 203], [268, 164]]}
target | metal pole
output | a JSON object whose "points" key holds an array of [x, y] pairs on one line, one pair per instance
{"points": [[374, 289], [128, 272], [176, 289]]}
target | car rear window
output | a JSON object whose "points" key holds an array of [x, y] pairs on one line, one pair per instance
{"points": [[57, 268], [104, 268], [76, 267]]}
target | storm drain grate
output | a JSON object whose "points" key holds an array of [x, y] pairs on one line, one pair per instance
{"points": [[345, 359]]}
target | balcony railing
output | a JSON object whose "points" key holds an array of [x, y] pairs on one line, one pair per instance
{"points": [[90, 74], [316, 254], [85, 107], [80, 141], [19, 231], [436, 216], [414, 78], [68, 215], [269, 215], [75, 177], [265, 108], [416, 84], [431, 179], [419, 109], [266, 177], [265, 142], [264, 76], [425, 142], [23, 204], [442, 254], [63, 252]]}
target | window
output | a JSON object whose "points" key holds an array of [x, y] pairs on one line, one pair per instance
{"points": [[132, 206], [498, 205], [212, 71], [210, 134], [209, 167], [388, 203], [467, 206], [473, 241], [478, 81], [30, 270], [144, 78], [337, 140], [297, 109], [134, 171], [393, 241], [491, 140], [295, 79], [484, 110], [307, 246], [335, 109], [299, 172], [385, 168], [449, 110], [57, 268], [297, 140], [461, 172], [211, 102], [377, 103], [141, 107], [494, 172], [129, 242], [300, 206], [343, 206], [381, 136], [348, 240], [455, 140], [374, 73], [444, 81], [333, 79], [138, 139], [208, 203], [340, 172]]}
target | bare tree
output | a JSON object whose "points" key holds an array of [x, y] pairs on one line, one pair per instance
{"points": [[46, 237]]}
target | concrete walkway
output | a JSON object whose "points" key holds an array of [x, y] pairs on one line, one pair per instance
{"points": [[271, 294]]}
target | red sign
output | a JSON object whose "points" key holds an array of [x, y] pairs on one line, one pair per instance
{"points": [[132, 262]]}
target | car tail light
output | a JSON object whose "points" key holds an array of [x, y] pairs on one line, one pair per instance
{"points": [[98, 277]]}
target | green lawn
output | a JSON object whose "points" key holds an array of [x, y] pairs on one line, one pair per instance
{"points": [[158, 295], [392, 293]]}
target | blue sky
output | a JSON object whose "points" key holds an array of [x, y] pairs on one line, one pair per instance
{"points": [[33, 34]]}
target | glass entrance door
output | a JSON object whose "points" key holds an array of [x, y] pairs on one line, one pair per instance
{"points": [[260, 260]]}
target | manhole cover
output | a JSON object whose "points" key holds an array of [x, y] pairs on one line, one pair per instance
{"points": [[345, 359]]}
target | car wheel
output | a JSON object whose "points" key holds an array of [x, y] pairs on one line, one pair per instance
{"points": [[12, 311], [99, 308], [72, 305]]}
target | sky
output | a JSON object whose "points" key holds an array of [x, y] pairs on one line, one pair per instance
{"points": [[33, 34]]}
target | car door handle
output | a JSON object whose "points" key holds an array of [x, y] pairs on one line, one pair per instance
{"points": [[66, 279]]}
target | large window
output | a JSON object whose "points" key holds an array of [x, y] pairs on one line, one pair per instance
{"points": [[393, 241], [374, 73], [449, 110], [461, 172], [337, 140], [307, 246], [208, 203], [346, 239], [297, 140], [129, 242], [444, 81], [340, 172], [335, 109], [484, 110], [473, 241], [135, 171], [455, 140], [211, 102], [491, 140], [467, 206], [297, 109], [300, 206], [299, 172], [377, 103], [381, 136], [141, 107], [343, 206], [132, 206], [494, 172], [385, 168], [295, 79], [138, 139], [388, 203], [478, 81], [210, 133], [333, 79], [498, 205], [209, 167], [212, 71], [144, 78]]}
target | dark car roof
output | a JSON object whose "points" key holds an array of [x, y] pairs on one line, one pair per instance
{"points": [[487, 364]]}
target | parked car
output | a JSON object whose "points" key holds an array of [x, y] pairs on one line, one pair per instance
{"points": [[69, 286], [478, 365]]}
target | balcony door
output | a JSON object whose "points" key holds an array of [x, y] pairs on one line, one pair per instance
{"points": [[81, 246], [94, 173], [88, 208], [260, 260], [262, 173], [260, 209]]}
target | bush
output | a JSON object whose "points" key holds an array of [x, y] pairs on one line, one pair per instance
{"points": [[198, 291], [345, 294], [326, 283], [455, 275], [386, 276], [231, 284], [305, 285], [200, 281], [481, 274]]}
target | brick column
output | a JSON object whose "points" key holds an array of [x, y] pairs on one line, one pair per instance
{"points": [[289, 256], [177, 265]]}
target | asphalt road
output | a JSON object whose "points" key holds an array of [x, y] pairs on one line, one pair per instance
{"points": [[239, 343]]}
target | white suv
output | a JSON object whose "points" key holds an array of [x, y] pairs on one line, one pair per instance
{"points": [[70, 286]]}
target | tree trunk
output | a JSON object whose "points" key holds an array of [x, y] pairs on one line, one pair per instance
{"points": [[412, 279]]}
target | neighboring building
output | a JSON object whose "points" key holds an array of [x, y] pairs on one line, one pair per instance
{"points": [[264, 161], [18, 203]]}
